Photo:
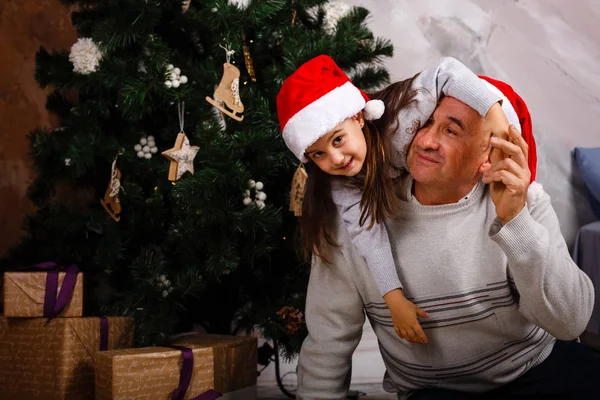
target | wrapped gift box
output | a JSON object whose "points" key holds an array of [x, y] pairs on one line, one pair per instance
{"points": [[25, 292], [55, 359], [226, 364]]}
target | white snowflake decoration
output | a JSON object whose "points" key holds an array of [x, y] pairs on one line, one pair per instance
{"points": [[259, 195], [242, 4], [85, 56], [68, 162], [146, 147], [334, 11], [174, 77]]}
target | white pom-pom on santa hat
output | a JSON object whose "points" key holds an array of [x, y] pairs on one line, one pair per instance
{"points": [[315, 99], [373, 109]]}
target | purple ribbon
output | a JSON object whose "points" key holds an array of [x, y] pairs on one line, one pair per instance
{"points": [[103, 333], [208, 395], [53, 304], [185, 377]]}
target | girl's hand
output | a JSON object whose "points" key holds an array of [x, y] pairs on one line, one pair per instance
{"points": [[495, 124], [404, 316]]}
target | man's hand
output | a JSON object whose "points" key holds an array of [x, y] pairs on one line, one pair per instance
{"points": [[509, 178]]}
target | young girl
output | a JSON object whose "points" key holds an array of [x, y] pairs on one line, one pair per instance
{"points": [[351, 161]]}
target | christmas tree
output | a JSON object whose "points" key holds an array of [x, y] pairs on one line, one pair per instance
{"points": [[168, 182]]}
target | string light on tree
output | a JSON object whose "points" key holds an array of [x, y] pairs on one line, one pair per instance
{"points": [[146, 147]]}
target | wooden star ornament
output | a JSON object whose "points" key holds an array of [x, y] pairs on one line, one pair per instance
{"points": [[182, 157]]}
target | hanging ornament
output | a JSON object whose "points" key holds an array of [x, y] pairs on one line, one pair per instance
{"points": [[297, 191], [85, 56], [174, 77], [292, 318], [111, 202], [248, 59], [259, 195], [228, 91], [163, 285], [146, 147], [182, 154]]}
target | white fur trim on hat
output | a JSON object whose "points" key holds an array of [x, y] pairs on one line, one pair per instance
{"points": [[509, 111], [373, 110], [321, 116]]}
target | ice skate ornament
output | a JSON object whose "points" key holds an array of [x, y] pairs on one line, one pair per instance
{"points": [[111, 202], [228, 91]]}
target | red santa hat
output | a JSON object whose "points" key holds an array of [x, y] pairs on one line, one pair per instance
{"points": [[314, 99], [516, 112]]}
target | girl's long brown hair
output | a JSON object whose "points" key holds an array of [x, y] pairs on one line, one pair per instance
{"points": [[378, 199]]}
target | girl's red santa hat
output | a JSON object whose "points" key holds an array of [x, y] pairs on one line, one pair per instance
{"points": [[314, 99]]}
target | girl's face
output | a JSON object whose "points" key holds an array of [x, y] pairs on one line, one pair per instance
{"points": [[342, 150]]}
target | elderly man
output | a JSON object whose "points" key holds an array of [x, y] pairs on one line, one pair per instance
{"points": [[480, 250]]}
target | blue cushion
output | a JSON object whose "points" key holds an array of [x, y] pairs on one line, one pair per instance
{"points": [[588, 162]]}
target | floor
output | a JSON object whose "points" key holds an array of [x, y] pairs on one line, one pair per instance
{"points": [[368, 392]]}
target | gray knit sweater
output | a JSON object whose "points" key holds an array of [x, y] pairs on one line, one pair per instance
{"points": [[497, 296], [449, 77]]}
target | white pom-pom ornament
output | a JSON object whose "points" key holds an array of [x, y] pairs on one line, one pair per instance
{"points": [[146, 147]]}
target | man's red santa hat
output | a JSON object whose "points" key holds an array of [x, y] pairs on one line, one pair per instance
{"points": [[315, 99], [517, 113]]}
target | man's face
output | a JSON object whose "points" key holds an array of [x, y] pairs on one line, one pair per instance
{"points": [[341, 151], [450, 148]]}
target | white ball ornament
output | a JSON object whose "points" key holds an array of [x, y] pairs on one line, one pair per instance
{"points": [[175, 84], [140, 154], [176, 71], [146, 149], [251, 183], [260, 204], [259, 186], [168, 84], [150, 138], [137, 147], [170, 67], [153, 150], [247, 201], [143, 141], [183, 79], [147, 156], [173, 76], [261, 196]]}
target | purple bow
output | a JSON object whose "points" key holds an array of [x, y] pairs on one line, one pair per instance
{"points": [[185, 377], [54, 305]]}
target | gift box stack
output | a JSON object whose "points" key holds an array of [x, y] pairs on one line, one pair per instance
{"points": [[47, 349]]}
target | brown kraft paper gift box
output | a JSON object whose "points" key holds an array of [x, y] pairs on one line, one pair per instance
{"points": [[226, 364], [24, 294], [54, 359]]}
